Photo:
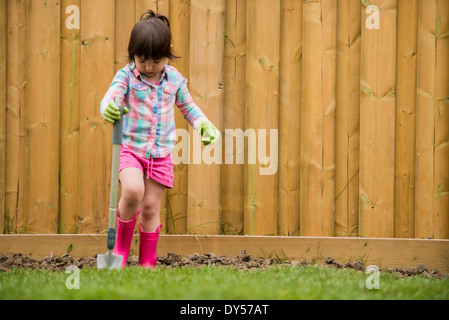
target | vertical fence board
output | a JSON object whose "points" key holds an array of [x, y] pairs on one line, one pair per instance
{"points": [[347, 119], [3, 50], [158, 6], [233, 116], [262, 113], [163, 7], [42, 107], [405, 145], [377, 123], [125, 18], [425, 187], [290, 116], [97, 71], [177, 197], [441, 226], [69, 131], [206, 74], [15, 115], [432, 185], [144, 5], [317, 192]]}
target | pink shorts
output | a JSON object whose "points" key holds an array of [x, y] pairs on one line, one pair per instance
{"points": [[158, 169]]}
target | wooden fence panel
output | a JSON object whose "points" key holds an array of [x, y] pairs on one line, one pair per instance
{"points": [[234, 82], [3, 110], [432, 186], [262, 112], [290, 117], [97, 71], [347, 119], [318, 119], [176, 221], [125, 18], [405, 144], [206, 79], [42, 117], [359, 113], [377, 122], [70, 117], [15, 116]]}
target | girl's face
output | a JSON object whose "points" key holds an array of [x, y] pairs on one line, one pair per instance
{"points": [[151, 68]]}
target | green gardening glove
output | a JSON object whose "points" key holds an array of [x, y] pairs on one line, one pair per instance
{"points": [[209, 133], [112, 113]]}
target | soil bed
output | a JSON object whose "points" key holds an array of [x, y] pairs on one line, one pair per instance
{"points": [[241, 261]]}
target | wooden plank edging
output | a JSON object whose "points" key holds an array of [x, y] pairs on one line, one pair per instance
{"points": [[373, 251]]}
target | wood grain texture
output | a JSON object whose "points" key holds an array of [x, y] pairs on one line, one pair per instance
{"points": [[290, 117], [377, 123], [317, 180], [207, 23], [432, 171], [177, 197], [16, 77], [347, 119], [42, 117], [3, 63], [262, 112], [405, 134], [97, 72], [69, 122], [234, 96]]}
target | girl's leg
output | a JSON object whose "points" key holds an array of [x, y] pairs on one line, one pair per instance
{"points": [[132, 193], [150, 223], [133, 190], [150, 219]]}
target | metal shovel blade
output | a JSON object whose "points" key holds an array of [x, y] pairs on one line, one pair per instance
{"points": [[109, 261]]}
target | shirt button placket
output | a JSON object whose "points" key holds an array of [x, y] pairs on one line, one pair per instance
{"points": [[154, 122]]}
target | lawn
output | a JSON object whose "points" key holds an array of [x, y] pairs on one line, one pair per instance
{"points": [[217, 283]]}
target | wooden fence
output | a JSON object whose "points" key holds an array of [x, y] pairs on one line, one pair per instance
{"points": [[357, 93]]}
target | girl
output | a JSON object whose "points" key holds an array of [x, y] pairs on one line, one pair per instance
{"points": [[148, 89]]}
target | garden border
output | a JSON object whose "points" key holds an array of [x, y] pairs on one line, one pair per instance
{"points": [[392, 253]]}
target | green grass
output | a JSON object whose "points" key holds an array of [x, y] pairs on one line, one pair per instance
{"points": [[218, 283]]}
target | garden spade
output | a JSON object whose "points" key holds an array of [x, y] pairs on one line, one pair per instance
{"points": [[110, 260]]}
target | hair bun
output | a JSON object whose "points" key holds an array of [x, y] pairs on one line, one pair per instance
{"points": [[150, 14]]}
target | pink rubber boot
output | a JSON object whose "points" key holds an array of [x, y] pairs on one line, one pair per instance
{"points": [[125, 230], [148, 248]]}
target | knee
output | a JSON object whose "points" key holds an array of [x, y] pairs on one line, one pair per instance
{"points": [[150, 207], [133, 194]]}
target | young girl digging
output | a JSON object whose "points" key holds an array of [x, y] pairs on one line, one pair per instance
{"points": [[148, 89]]}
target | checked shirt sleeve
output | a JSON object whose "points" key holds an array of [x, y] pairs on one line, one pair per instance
{"points": [[117, 90], [192, 113]]}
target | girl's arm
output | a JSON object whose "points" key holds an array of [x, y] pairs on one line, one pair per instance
{"points": [[192, 113], [117, 90]]}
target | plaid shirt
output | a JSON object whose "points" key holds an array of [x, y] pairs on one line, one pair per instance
{"points": [[149, 127]]}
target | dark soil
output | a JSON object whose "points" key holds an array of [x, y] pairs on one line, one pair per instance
{"points": [[241, 261]]}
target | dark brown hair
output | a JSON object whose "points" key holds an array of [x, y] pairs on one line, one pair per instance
{"points": [[151, 38]]}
